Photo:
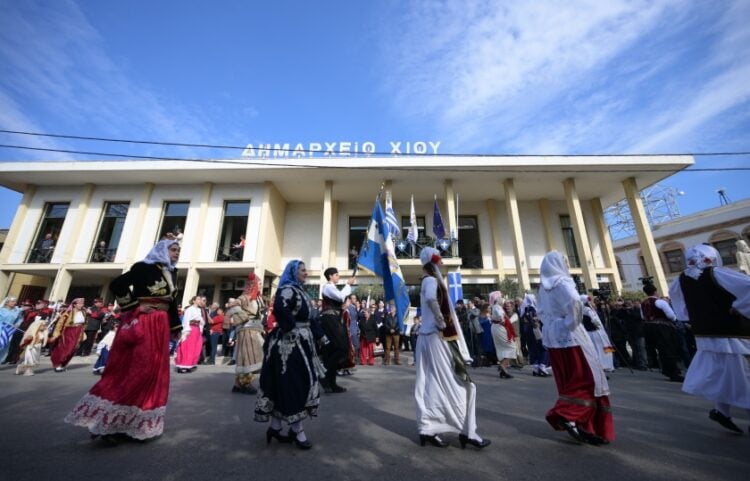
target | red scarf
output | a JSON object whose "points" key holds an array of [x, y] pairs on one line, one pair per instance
{"points": [[508, 327]]}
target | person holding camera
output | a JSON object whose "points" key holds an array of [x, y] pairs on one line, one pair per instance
{"points": [[660, 331]]}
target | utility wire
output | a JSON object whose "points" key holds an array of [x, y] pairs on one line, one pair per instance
{"points": [[374, 154], [394, 168]]}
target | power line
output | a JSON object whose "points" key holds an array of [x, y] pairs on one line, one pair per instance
{"points": [[308, 151], [395, 168]]}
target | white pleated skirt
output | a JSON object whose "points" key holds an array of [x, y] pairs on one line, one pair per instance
{"points": [[719, 377]]}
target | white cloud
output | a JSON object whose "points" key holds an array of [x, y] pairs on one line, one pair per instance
{"points": [[572, 76]]}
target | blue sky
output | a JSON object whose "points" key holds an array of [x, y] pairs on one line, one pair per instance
{"points": [[547, 77]]}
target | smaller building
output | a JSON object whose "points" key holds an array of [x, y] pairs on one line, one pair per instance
{"points": [[721, 227]]}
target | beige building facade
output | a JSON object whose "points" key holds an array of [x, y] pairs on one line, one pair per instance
{"points": [[79, 224]]}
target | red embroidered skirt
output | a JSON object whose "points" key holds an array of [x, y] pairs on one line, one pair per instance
{"points": [[66, 346], [189, 351], [131, 397], [576, 401]]}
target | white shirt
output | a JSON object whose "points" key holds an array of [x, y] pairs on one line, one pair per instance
{"points": [[332, 292], [427, 293], [193, 314], [79, 318]]}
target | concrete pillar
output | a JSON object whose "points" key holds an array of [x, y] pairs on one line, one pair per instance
{"points": [[450, 212], [496, 245], [325, 247], [606, 243], [191, 285], [514, 219], [73, 241], [201, 225], [547, 223], [579, 231], [18, 221], [4, 283], [646, 240], [61, 285], [148, 189]]}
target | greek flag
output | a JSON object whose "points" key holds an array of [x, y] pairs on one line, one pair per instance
{"points": [[390, 217], [455, 289], [413, 229], [437, 222], [6, 332], [379, 256]]}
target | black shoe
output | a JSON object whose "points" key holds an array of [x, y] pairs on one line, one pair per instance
{"points": [[571, 429], [505, 375], [337, 389], [232, 363], [592, 438], [464, 440], [434, 440], [276, 434], [677, 378], [725, 421], [293, 437]]}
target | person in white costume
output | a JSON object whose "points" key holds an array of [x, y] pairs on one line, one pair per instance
{"points": [[445, 395], [716, 300], [34, 339], [598, 335]]}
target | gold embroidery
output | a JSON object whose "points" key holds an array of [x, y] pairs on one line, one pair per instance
{"points": [[158, 289]]}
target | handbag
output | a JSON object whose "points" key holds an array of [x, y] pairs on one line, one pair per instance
{"points": [[378, 350]]}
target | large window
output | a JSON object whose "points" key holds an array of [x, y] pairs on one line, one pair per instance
{"points": [[110, 231], [49, 232], [357, 234], [727, 250], [571, 249], [233, 229], [173, 222], [469, 246], [675, 260]]}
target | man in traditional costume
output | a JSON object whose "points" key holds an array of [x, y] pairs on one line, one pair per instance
{"points": [[332, 321], [68, 334], [289, 389], [246, 317], [34, 338], [191, 342], [661, 333], [129, 402], [444, 393], [582, 408], [717, 303]]}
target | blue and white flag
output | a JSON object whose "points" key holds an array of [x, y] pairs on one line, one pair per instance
{"points": [[413, 228], [6, 332], [379, 256], [437, 222], [455, 289], [390, 217]]}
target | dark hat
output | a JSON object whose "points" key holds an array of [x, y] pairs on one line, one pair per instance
{"points": [[98, 299]]}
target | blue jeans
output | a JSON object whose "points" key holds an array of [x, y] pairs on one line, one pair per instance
{"points": [[214, 340]]}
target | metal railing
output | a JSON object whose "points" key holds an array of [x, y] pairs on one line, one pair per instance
{"points": [[41, 255], [229, 253], [101, 254]]}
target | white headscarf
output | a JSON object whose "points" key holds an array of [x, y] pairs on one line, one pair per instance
{"points": [[699, 257], [494, 296], [553, 270], [159, 254]]}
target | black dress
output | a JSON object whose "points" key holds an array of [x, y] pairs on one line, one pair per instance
{"points": [[289, 387]]}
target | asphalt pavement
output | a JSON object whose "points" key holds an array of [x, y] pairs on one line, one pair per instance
{"points": [[367, 433]]}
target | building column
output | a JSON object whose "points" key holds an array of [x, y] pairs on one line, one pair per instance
{"points": [[325, 247], [547, 222], [148, 189], [61, 285], [514, 219], [645, 239], [191, 285], [83, 207], [579, 231], [18, 220], [201, 226], [607, 250], [496, 245], [4, 283]]}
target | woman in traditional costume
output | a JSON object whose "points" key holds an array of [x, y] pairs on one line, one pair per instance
{"points": [[289, 388], [503, 335], [248, 336], [598, 335], [532, 325], [131, 398], [716, 301], [191, 341], [582, 408], [34, 339], [10, 317], [68, 334], [444, 393]]}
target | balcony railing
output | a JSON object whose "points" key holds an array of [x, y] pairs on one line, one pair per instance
{"points": [[101, 254], [229, 254], [41, 255]]}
